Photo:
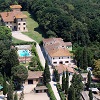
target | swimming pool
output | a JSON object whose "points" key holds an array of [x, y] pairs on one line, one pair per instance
{"points": [[24, 53]]}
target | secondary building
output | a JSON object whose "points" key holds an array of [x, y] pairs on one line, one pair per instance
{"points": [[58, 51], [15, 19], [34, 77]]}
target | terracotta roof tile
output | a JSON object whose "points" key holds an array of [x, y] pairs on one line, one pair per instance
{"points": [[34, 74], [15, 6], [10, 16], [62, 68], [59, 52]]}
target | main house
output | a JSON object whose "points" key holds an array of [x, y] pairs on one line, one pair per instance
{"points": [[58, 51], [15, 20]]}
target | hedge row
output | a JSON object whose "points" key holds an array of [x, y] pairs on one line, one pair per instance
{"points": [[62, 95], [50, 92], [33, 50], [24, 43]]}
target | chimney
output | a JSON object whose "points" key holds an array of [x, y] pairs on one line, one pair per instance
{"points": [[7, 14]]}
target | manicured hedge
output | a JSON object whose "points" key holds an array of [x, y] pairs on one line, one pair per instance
{"points": [[50, 92], [24, 43], [62, 95]]}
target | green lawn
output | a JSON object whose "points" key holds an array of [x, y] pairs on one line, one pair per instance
{"points": [[14, 40], [34, 31]]}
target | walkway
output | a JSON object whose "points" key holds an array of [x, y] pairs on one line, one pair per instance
{"points": [[20, 36], [53, 84]]}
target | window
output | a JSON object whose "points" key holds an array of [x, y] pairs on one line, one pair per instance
{"points": [[24, 28], [7, 22], [10, 22], [53, 58], [21, 19], [10, 26], [66, 61], [59, 57], [19, 28], [36, 80], [54, 62], [18, 23], [24, 23]]}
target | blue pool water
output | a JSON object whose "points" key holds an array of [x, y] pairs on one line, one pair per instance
{"points": [[24, 53]]}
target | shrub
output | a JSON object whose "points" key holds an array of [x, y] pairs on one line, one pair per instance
{"points": [[62, 95], [50, 92]]}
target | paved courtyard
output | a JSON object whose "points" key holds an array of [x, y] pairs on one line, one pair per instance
{"points": [[29, 94]]}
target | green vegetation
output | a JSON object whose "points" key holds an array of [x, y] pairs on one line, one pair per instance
{"points": [[19, 74], [15, 96], [46, 74], [57, 77], [34, 31], [90, 95], [63, 81], [89, 80], [66, 82], [61, 93], [71, 93], [50, 92], [77, 85], [96, 70], [10, 91], [35, 64]]}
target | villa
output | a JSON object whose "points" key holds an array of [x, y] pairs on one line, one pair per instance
{"points": [[15, 20], [58, 51]]}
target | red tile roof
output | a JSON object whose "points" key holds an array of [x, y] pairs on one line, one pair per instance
{"points": [[62, 68], [59, 52], [34, 74], [10, 16]]}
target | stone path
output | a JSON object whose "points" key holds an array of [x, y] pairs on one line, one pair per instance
{"points": [[20, 36]]}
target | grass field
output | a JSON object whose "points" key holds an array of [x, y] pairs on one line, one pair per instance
{"points": [[14, 40], [34, 31]]}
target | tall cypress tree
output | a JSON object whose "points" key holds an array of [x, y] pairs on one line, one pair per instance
{"points": [[71, 93], [63, 81], [90, 95], [56, 75], [66, 82], [10, 91], [15, 96], [89, 80], [5, 89], [46, 75]]}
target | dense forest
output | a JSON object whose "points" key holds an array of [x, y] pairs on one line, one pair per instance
{"points": [[77, 21]]}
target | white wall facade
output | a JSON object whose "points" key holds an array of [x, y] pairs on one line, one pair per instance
{"points": [[21, 24], [61, 60]]}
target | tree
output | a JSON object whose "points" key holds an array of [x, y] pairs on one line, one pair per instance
{"points": [[57, 77], [63, 81], [90, 95], [19, 74], [66, 82], [96, 70], [15, 96], [89, 80], [46, 74], [71, 93], [5, 88], [10, 91], [85, 58], [77, 84]]}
